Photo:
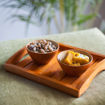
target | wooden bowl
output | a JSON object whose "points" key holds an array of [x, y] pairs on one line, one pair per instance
{"points": [[43, 58], [74, 70]]}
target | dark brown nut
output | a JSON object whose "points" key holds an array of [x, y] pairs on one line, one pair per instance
{"points": [[37, 49], [50, 43], [46, 47], [54, 47], [32, 43], [39, 45], [50, 48], [31, 47], [35, 44], [42, 46], [42, 51], [47, 50], [47, 44], [44, 41]]}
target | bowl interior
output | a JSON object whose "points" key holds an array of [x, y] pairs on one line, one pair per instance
{"points": [[53, 42], [63, 54]]}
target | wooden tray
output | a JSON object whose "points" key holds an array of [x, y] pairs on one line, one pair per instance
{"points": [[52, 75]]}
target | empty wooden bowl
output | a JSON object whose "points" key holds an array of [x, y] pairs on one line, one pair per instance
{"points": [[74, 70], [42, 58]]}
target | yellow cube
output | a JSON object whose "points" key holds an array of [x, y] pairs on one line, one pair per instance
{"points": [[68, 58]]}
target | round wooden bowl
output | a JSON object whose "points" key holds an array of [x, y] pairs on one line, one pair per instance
{"points": [[74, 70], [42, 58]]}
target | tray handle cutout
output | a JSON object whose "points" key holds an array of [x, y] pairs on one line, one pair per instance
{"points": [[17, 56], [83, 82]]}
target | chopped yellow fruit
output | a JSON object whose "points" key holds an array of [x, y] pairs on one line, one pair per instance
{"points": [[68, 58], [80, 60], [75, 58], [74, 53]]}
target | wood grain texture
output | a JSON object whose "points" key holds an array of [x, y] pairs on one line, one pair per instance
{"points": [[52, 74]]}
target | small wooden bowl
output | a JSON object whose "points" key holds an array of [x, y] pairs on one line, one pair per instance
{"points": [[74, 70], [43, 58]]}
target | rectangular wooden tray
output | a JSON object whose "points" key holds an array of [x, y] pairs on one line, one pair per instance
{"points": [[52, 75]]}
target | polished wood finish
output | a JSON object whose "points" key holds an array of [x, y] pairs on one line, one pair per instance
{"points": [[52, 74]]}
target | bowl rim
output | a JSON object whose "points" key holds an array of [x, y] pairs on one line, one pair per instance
{"points": [[77, 51], [42, 53]]}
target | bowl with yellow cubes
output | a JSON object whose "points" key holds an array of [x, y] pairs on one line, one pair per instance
{"points": [[74, 62]]}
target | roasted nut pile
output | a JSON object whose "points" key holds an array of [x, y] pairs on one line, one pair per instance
{"points": [[42, 46]]}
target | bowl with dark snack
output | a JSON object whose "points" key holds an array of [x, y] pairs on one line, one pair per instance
{"points": [[74, 62], [42, 51]]}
